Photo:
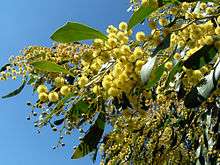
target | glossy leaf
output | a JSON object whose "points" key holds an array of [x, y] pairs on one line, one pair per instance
{"points": [[201, 57], [139, 15], [177, 68], [16, 92], [73, 31], [48, 66], [91, 139], [147, 69]]}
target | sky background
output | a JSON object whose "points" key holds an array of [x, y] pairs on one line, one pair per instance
{"points": [[31, 22]]}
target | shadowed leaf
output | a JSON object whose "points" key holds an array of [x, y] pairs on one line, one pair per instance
{"points": [[91, 139]]}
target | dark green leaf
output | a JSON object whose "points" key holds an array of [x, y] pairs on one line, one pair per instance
{"points": [[201, 57], [139, 16], [59, 122], [4, 67], [79, 108], [91, 139], [47, 66], [177, 68], [32, 80], [73, 31], [16, 92]]}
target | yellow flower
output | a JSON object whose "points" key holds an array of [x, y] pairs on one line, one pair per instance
{"points": [[96, 89], [43, 96], [59, 81], [83, 81], [177, 56], [42, 88], [123, 26], [65, 90], [217, 44], [163, 21], [53, 97], [208, 40], [217, 31], [168, 65], [140, 36], [218, 19], [197, 74], [138, 51], [113, 91]]}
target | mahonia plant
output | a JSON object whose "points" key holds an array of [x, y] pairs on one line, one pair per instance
{"points": [[156, 93]]}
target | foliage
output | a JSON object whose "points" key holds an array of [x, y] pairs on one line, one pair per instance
{"points": [[158, 91]]}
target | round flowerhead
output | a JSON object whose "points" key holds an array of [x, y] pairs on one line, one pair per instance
{"points": [[113, 91], [59, 81], [42, 88], [168, 65], [208, 40], [217, 44], [218, 19], [140, 36], [123, 26], [43, 96], [53, 97], [217, 31], [83, 81], [197, 74], [65, 90], [177, 56]]}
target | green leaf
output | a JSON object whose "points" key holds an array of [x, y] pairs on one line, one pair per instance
{"points": [[47, 66], [177, 68], [139, 16], [4, 67], [79, 108], [73, 31], [91, 139], [147, 69], [59, 122], [201, 57], [17, 91], [155, 76]]}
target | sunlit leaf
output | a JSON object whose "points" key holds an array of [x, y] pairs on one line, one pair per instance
{"points": [[73, 31], [139, 15], [147, 68]]}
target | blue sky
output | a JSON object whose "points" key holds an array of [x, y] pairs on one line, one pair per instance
{"points": [[31, 22]]}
